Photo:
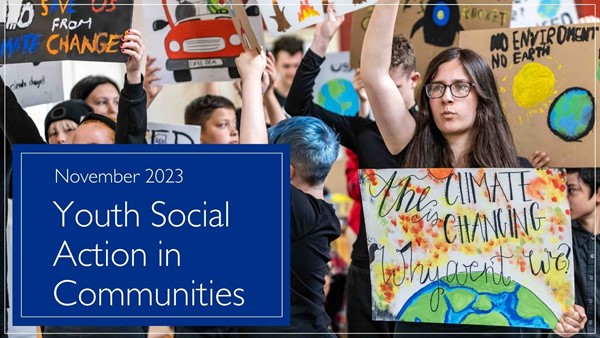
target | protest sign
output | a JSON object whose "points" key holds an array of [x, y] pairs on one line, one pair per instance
{"points": [[38, 30], [164, 133], [35, 84], [529, 13], [433, 25], [196, 40], [243, 27], [547, 87], [469, 246], [333, 88], [286, 16]]}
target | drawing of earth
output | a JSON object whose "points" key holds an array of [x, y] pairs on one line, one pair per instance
{"points": [[338, 96], [548, 8], [478, 302], [571, 114]]}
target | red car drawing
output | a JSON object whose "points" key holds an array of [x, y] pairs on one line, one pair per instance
{"points": [[200, 40]]}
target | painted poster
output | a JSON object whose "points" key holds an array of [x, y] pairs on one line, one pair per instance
{"points": [[39, 30], [333, 86], [195, 40], [547, 86], [35, 84], [528, 13], [242, 25], [433, 25], [163, 133], [469, 246], [285, 16]]}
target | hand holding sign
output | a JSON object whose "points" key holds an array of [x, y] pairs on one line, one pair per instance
{"points": [[133, 46], [325, 30], [251, 65], [571, 322]]}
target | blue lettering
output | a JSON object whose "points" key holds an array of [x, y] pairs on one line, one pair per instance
{"points": [[25, 44]]}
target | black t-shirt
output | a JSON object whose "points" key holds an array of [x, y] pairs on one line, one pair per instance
{"points": [[280, 98], [358, 134], [313, 225]]}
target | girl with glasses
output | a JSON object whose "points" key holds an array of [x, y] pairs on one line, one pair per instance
{"points": [[460, 124]]}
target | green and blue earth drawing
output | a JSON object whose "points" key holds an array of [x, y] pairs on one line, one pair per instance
{"points": [[571, 114], [478, 302], [548, 8], [338, 96]]}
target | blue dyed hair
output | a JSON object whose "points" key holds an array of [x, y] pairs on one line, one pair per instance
{"points": [[313, 146]]}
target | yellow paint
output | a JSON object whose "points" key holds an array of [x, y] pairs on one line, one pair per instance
{"points": [[440, 15], [504, 78], [520, 120], [533, 85]]}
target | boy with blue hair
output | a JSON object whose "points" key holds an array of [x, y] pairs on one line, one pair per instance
{"points": [[313, 222]]}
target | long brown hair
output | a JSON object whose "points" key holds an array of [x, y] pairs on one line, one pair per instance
{"points": [[491, 145]]}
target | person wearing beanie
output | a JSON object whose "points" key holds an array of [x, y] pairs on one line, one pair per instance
{"points": [[62, 120], [100, 92]]}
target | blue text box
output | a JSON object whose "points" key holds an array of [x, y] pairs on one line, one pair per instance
{"points": [[141, 235]]}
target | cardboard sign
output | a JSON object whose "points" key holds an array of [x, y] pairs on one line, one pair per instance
{"points": [[163, 133], [35, 84], [469, 246], [547, 86], [196, 40], [434, 25], [38, 30], [333, 88], [243, 27], [285, 16], [528, 13]]}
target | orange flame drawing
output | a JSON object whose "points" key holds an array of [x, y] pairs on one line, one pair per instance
{"points": [[306, 11]]}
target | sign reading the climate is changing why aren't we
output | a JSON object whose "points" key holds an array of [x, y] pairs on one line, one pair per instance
{"points": [[146, 235]]}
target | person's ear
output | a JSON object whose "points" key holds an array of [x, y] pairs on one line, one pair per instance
{"points": [[292, 172], [598, 195], [414, 79]]}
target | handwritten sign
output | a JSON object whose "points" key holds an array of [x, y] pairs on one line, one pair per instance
{"points": [[433, 26], [35, 84], [41, 30], [285, 16], [333, 86], [469, 246], [527, 13], [163, 133], [196, 40], [547, 85]]}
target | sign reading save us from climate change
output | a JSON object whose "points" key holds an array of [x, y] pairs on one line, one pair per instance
{"points": [[48, 30]]}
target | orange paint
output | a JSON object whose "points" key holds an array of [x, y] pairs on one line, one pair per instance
{"points": [[440, 173], [306, 11]]}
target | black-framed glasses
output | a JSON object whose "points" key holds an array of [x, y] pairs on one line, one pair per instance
{"points": [[457, 89]]}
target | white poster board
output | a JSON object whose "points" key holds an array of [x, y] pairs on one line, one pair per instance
{"points": [[162, 133]]}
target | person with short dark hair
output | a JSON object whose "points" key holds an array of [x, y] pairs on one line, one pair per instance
{"points": [[216, 117], [583, 186], [287, 51], [100, 92]]}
